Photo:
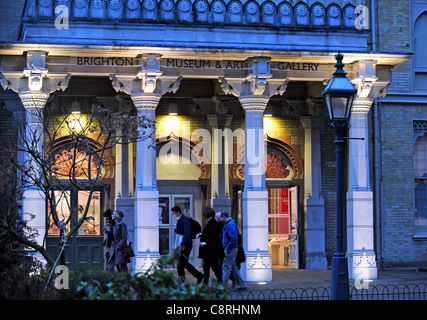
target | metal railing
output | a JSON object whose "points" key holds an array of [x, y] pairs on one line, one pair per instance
{"points": [[373, 292]]}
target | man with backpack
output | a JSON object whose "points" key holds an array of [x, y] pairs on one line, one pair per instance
{"points": [[185, 244]]}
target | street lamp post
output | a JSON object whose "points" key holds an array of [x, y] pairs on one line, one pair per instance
{"points": [[338, 97]]}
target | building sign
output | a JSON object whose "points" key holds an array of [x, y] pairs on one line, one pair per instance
{"points": [[236, 64], [299, 66], [204, 64], [104, 61], [195, 63]]}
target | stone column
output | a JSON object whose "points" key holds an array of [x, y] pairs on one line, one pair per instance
{"points": [[34, 199], [255, 195], [221, 147], [34, 85], [146, 90], [360, 224], [314, 204], [360, 221], [146, 194], [254, 92]]}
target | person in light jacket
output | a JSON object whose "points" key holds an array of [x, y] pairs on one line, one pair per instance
{"points": [[120, 232], [230, 243]]}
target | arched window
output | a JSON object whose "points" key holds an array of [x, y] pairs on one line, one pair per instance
{"points": [[75, 160]]}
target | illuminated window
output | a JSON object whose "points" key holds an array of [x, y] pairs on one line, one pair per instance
{"points": [[74, 163], [420, 178], [66, 205], [63, 204]]}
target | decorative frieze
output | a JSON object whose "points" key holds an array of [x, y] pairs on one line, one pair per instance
{"points": [[234, 12]]}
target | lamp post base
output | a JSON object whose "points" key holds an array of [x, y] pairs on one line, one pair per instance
{"points": [[340, 286]]}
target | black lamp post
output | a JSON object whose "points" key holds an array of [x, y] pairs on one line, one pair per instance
{"points": [[338, 97]]}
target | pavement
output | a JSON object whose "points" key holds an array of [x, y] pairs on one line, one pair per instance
{"points": [[303, 278], [284, 278]]}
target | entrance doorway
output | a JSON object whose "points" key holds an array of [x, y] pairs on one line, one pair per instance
{"points": [[283, 226], [85, 247], [167, 223]]}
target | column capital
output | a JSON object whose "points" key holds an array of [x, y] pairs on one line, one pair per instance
{"points": [[258, 82], [254, 103], [148, 80], [33, 100], [361, 105], [35, 78], [150, 72], [146, 100], [144, 85], [371, 83]]}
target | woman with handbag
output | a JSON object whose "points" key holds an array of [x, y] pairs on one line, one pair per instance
{"points": [[120, 232]]}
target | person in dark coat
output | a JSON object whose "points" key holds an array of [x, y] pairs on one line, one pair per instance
{"points": [[211, 250], [120, 232], [109, 238], [183, 227]]}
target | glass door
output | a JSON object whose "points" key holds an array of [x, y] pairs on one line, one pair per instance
{"points": [[293, 236], [283, 226], [167, 223], [85, 247], [278, 225]]}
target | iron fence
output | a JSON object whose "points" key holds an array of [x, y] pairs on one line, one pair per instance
{"points": [[371, 292]]}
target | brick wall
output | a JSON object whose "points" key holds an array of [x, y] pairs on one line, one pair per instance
{"points": [[10, 19], [394, 36], [399, 249]]}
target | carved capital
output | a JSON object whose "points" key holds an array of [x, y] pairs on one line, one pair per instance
{"points": [[366, 79], [254, 103], [146, 101], [137, 85], [33, 100], [258, 83], [35, 82], [361, 105], [258, 79], [35, 77], [150, 72]]}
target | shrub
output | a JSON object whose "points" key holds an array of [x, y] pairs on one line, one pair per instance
{"points": [[155, 284], [26, 281]]}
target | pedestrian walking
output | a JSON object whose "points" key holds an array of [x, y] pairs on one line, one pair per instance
{"points": [[109, 238], [211, 250], [120, 232], [185, 245], [230, 244]]}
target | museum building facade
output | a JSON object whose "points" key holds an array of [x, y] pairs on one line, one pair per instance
{"points": [[233, 86]]}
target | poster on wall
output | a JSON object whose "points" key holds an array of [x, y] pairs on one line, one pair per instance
{"points": [[184, 202], [164, 210], [164, 239]]}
